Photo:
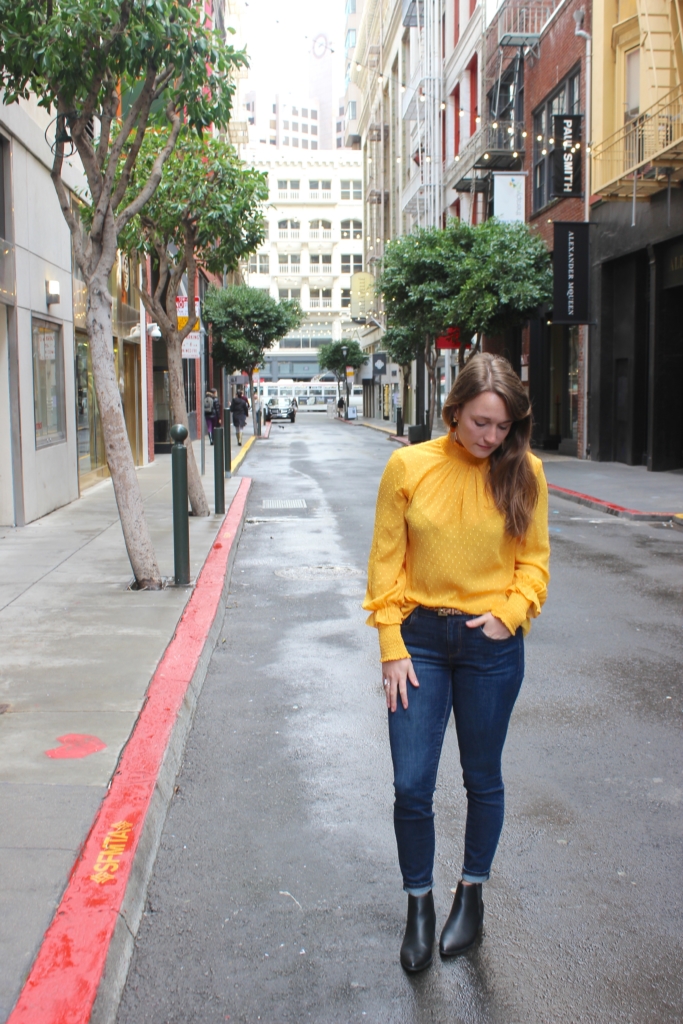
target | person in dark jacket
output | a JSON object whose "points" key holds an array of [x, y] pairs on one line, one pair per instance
{"points": [[209, 414], [216, 409], [239, 407]]}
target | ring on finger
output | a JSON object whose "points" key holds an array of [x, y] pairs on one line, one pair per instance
{"points": [[386, 682]]}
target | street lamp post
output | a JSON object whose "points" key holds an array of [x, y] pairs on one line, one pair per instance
{"points": [[345, 352]]}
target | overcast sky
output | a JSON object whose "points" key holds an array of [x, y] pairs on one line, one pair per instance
{"points": [[279, 35]]}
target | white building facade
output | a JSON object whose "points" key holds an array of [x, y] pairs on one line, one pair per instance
{"points": [[314, 246]]}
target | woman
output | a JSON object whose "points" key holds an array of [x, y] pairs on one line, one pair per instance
{"points": [[209, 414], [239, 407], [458, 568]]}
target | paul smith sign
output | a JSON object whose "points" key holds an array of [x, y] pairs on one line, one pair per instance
{"points": [[566, 157]]}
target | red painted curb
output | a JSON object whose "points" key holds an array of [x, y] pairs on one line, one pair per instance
{"points": [[65, 976], [607, 506]]}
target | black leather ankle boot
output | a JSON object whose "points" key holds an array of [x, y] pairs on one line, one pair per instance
{"points": [[418, 941], [464, 921]]}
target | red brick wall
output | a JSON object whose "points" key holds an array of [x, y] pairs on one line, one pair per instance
{"points": [[560, 51]]}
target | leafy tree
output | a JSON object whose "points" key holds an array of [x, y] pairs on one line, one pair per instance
{"points": [[508, 275], [246, 322], [336, 356], [206, 211], [110, 68], [403, 344], [420, 273]]}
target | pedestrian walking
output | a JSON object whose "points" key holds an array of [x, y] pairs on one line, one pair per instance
{"points": [[216, 408], [458, 568], [209, 413], [341, 405], [239, 407]]}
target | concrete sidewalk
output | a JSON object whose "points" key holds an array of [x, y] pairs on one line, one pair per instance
{"points": [[631, 487], [78, 651]]}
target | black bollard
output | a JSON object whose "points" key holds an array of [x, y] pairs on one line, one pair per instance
{"points": [[181, 519], [228, 445], [218, 472], [399, 422]]}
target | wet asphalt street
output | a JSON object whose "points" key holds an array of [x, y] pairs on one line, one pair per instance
{"points": [[276, 895]]}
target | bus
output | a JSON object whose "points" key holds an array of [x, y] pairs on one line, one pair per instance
{"points": [[310, 397]]}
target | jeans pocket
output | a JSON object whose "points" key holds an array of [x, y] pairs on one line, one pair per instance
{"points": [[492, 639]]}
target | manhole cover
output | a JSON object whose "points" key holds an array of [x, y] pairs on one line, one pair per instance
{"points": [[318, 572], [284, 503]]}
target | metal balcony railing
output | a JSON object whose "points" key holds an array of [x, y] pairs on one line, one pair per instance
{"points": [[496, 146], [645, 154], [521, 22], [6, 271]]}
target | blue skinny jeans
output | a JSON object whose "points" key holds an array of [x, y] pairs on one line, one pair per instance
{"points": [[479, 679]]}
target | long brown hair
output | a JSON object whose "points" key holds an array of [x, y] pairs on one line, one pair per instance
{"points": [[511, 480]]}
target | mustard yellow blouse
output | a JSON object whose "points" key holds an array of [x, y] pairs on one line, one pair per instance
{"points": [[440, 542]]}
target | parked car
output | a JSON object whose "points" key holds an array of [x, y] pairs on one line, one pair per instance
{"points": [[280, 409]]}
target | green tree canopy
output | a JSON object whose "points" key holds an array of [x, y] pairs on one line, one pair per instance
{"points": [[336, 356], [246, 323]]}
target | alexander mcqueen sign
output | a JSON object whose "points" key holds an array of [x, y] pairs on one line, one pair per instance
{"points": [[571, 273], [566, 159]]}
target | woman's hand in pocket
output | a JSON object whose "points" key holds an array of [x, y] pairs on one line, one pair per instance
{"points": [[492, 627], [395, 676]]}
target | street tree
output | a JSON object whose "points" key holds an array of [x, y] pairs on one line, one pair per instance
{"points": [[507, 276], [403, 344], [109, 69], [246, 323], [420, 273], [206, 212], [336, 356]]}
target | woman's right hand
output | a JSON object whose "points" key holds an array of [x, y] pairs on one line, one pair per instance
{"points": [[395, 676]]}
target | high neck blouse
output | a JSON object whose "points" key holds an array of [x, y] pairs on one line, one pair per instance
{"points": [[440, 542]]}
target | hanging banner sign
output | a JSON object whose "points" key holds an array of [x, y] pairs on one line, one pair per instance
{"points": [[566, 157], [508, 197], [379, 364], [571, 273], [451, 339], [192, 344], [362, 295]]}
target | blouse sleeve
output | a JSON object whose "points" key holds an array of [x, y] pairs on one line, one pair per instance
{"points": [[387, 562], [526, 594]]}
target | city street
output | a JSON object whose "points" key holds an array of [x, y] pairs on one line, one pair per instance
{"points": [[276, 894]]}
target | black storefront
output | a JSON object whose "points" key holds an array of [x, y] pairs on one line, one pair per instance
{"points": [[554, 385], [636, 356]]}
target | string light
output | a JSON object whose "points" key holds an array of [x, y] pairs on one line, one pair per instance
{"points": [[551, 141], [461, 113], [477, 119], [539, 138], [495, 124], [443, 106], [523, 135], [544, 152], [515, 155]]}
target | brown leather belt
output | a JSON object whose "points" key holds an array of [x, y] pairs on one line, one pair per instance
{"points": [[449, 611]]}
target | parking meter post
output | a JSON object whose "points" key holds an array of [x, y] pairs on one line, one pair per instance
{"points": [[218, 472], [181, 520], [226, 423]]}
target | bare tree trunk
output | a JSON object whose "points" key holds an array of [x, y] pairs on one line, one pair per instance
{"points": [[254, 400], [176, 388], [116, 443]]}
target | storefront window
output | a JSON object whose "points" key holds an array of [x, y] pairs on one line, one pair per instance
{"points": [[92, 465], [48, 383]]}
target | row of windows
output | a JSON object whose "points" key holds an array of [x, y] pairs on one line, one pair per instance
{"points": [[349, 188], [318, 298], [292, 228], [318, 262], [295, 127], [295, 142], [565, 100]]}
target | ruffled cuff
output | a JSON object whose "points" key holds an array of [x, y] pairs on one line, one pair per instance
{"points": [[522, 603], [391, 646]]}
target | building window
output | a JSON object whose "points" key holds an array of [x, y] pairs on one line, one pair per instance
{"points": [[273, 142], [295, 126], [295, 141], [285, 124], [282, 185], [351, 110], [632, 83], [351, 228], [295, 111], [48, 383], [564, 100], [350, 39], [349, 261], [304, 143], [264, 263], [289, 293], [350, 7], [285, 141], [314, 115], [327, 298], [314, 129], [326, 187], [314, 144], [346, 298], [304, 129], [304, 111], [314, 301], [275, 108], [352, 189], [273, 124]]}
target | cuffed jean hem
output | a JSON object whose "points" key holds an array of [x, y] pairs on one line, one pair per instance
{"points": [[422, 891], [476, 879]]}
